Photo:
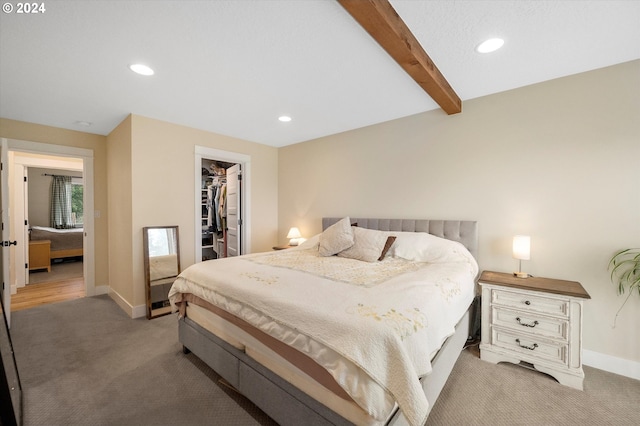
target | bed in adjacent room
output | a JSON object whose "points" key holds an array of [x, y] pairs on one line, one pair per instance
{"points": [[358, 325], [64, 242]]}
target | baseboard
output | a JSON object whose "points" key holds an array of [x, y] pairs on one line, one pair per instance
{"points": [[101, 289], [139, 311], [133, 311], [623, 367]]}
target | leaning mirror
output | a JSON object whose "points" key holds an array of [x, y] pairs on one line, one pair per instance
{"points": [[161, 266]]}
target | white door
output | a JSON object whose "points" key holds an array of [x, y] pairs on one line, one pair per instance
{"points": [[4, 205], [234, 211]]}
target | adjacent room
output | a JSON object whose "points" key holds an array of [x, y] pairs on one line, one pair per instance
{"points": [[47, 212], [331, 212]]}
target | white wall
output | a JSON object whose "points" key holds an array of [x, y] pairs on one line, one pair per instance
{"points": [[557, 161]]}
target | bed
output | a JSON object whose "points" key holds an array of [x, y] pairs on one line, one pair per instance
{"points": [[64, 242], [318, 339]]}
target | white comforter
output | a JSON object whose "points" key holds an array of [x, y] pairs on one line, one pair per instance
{"points": [[386, 325]]}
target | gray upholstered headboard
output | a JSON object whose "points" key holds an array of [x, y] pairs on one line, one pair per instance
{"points": [[463, 231]]}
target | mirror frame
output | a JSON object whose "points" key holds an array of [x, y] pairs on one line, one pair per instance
{"points": [[165, 310]]}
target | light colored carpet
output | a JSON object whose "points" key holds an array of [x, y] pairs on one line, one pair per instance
{"points": [[84, 362], [480, 393]]}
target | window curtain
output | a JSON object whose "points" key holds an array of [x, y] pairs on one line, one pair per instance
{"points": [[171, 241], [60, 216]]}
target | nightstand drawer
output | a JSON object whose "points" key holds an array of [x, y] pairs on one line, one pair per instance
{"points": [[530, 303], [528, 346], [527, 322]]}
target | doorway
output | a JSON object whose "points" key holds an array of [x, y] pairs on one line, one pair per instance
{"points": [[215, 168], [66, 274], [53, 270]]}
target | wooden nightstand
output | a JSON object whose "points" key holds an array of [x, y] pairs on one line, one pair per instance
{"points": [[535, 320], [40, 255]]}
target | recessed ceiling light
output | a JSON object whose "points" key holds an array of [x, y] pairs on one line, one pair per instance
{"points": [[490, 45], [83, 123], [141, 69], [284, 118]]}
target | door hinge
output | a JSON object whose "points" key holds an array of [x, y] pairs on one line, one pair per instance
{"points": [[25, 178], [26, 266], [240, 222], [25, 223]]}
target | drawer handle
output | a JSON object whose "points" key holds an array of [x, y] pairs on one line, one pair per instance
{"points": [[535, 345], [524, 324], [526, 302]]}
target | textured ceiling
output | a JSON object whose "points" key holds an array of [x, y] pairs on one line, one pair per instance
{"points": [[233, 67]]}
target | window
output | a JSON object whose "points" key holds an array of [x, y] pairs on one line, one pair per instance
{"points": [[162, 242], [77, 210]]}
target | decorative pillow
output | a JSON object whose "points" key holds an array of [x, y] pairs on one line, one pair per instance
{"points": [[368, 245], [336, 238], [387, 246], [424, 247]]}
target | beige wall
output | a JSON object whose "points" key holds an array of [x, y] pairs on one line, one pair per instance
{"points": [[19, 130], [556, 160], [120, 204], [163, 192]]}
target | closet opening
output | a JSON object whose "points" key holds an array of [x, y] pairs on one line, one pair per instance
{"points": [[217, 241], [221, 197]]}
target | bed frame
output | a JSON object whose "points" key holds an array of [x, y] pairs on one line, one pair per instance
{"points": [[285, 403], [37, 234]]}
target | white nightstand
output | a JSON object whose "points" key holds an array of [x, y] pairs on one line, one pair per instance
{"points": [[535, 320]]}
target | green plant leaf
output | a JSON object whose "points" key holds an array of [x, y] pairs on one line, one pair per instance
{"points": [[625, 270]]}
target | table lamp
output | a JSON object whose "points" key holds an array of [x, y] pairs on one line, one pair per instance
{"points": [[294, 236], [521, 251]]}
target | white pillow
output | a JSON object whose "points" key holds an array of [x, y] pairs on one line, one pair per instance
{"points": [[310, 243], [368, 245], [424, 247], [336, 238]]}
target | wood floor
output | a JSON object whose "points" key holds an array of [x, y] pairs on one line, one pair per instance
{"points": [[34, 295]]}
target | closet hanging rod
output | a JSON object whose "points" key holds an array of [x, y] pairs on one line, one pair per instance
{"points": [[77, 177]]}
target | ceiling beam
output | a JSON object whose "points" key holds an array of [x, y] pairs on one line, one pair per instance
{"points": [[382, 22]]}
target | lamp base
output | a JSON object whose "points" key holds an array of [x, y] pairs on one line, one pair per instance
{"points": [[521, 274], [294, 242]]}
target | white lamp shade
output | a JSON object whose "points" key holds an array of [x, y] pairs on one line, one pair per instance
{"points": [[294, 233], [522, 247]]}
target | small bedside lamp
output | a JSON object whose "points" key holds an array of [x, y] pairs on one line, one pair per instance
{"points": [[521, 251], [295, 236]]}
